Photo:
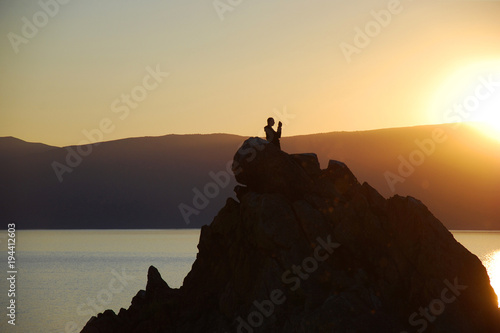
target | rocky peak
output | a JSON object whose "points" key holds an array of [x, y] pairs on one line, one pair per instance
{"points": [[311, 250]]}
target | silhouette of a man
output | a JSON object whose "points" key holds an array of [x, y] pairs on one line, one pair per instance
{"points": [[271, 135]]}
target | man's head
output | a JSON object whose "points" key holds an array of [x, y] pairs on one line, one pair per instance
{"points": [[270, 121]]}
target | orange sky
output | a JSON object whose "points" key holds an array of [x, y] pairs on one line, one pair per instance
{"points": [[231, 67]]}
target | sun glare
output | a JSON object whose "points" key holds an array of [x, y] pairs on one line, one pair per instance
{"points": [[491, 128], [470, 94], [492, 264]]}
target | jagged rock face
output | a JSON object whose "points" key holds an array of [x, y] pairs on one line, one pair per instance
{"points": [[311, 250]]}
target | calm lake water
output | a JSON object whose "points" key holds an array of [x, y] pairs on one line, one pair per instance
{"points": [[66, 276]]}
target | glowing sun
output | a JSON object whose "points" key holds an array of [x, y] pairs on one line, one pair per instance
{"points": [[491, 127], [470, 94]]}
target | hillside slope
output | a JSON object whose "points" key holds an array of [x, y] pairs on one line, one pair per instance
{"points": [[179, 181]]}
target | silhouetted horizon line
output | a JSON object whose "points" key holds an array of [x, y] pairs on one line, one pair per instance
{"points": [[239, 135]]}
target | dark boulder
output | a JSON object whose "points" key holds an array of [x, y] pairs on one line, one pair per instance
{"points": [[264, 168], [311, 250]]}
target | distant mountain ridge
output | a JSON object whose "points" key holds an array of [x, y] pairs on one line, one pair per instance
{"points": [[181, 181], [13, 147]]}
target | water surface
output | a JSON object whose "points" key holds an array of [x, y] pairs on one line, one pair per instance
{"points": [[66, 276]]}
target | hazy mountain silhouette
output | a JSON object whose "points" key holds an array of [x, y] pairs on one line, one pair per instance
{"points": [[140, 182], [11, 147]]}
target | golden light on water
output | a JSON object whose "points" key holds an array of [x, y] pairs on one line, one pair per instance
{"points": [[492, 264]]}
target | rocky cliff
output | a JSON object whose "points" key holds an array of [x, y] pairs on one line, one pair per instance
{"points": [[311, 250]]}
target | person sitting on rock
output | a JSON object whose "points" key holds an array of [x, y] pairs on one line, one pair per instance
{"points": [[271, 135]]}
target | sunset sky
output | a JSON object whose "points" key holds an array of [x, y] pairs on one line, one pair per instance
{"points": [[68, 68]]}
